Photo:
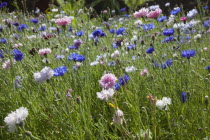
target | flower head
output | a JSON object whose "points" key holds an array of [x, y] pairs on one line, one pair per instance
{"points": [[63, 21], [45, 74], [123, 79], [76, 57], [188, 53], [118, 117], [163, 103], [150, 50], [45, 51], [105, 94], [141, 13], [16, 118], [60, 71], [154, 14], [175, 11], [168, 32], [107, 81], [18, 55]]}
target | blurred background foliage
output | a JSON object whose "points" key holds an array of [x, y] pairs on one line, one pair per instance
{"points": [[98, 5]]}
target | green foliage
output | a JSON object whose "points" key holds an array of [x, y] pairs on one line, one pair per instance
{"points": [[133, 4]]}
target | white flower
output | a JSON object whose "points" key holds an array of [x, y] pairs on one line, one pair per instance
{"points": [[94, 63], [54, 10], [6, 65], [45, 74], [167, 4], [105, 94], [16, 118], [192, 13], [198, 36], [153, 7], [130, 69], [118, 117], [163, 103], [138, 22], [115, 54], [31, 37]]}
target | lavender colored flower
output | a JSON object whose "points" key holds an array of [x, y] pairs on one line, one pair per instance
{"points": [[117, 86], [150, 50], [42, 28], [80, 33], [188, 53], [123, 10], [131, 47], [206, 23], [192, 13], [18, 55], [168, 39], [60, 71], [112, 31], [168, 32]]}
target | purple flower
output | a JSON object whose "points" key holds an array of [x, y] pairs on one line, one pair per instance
{"points": [[34, 20], [149, 26], [98, 33], [184, 97], [168, 32], [76, 57], [120, 31], [22, 27], [175, 11], [150, 50], [18, 55], [123, 79], [207, 68], [107, 81]]}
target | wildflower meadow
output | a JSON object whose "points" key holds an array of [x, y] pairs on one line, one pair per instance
{"points": [[138, 74]]}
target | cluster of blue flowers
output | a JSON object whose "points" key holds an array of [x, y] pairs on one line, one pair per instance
{"points": [[122, 80], [76, 57]]}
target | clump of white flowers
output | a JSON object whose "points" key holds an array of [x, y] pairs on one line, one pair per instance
{"points": [[115, 54], [130, 69], [161, 104], [45, 74], [16, 118]]}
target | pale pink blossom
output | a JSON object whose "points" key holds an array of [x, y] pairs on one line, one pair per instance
{"points": [[6, 65], [205, 49], [154, 14], [107, 81], [105, 11], [45, 51], [141, 13], [144, 72], [17, 45], [63, 21]]}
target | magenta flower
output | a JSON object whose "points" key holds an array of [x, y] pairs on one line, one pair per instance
{"points": [[154, 14], [183, 18], [63, 21], [107, 81]]}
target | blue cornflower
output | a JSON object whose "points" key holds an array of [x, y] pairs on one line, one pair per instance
{"points": [[42, 28], [3, 4], [206, 7], [112, 31], [22, 27], [80, 33], [98, 33], [76, 57], [130, 47], [168, 39], [163, 18], [150, 50], [120, 31], [112, 63], [175, 11], [207, 68], [3, 41], [123, 9], [70, 29], [123, 79], [59, 56], [115, 45], [148, 26], [184, 97], [117, 86], [60, 71], [1, 54], [188, 53], [15, 24], [73, 47], [34, 20], [206, 23], [168, 63], [168, 32], [18, 55]]}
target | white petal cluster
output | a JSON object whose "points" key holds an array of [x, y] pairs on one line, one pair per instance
{"points": [[105, 94], [130, 69], [115, 54], [163, 103], [118, 117], [45, 74], [16, 118], [192, 13]]}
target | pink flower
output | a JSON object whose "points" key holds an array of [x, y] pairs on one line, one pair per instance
{"points": [[63, 21], [144, 72], [183, 18], [154, 14], [205, 49], [107, 81], [45, 51], [141, 13], [105, 11], [6, 65]]}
